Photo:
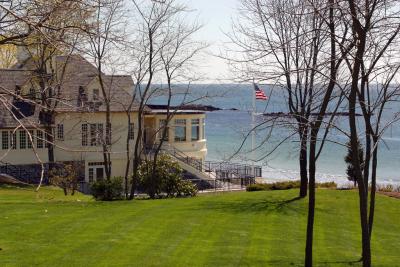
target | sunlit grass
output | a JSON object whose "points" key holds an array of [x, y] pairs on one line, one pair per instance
{"points": [[232, 229]]}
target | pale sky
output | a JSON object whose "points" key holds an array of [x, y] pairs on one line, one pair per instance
{"points": [[216, 16]]}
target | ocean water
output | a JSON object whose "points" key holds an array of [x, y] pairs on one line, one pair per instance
{"points": [[277, 146]]}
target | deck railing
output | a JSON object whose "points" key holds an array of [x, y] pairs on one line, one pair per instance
{"points": [[215, 169]]}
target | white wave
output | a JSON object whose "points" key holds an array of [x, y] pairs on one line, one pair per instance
{"points": [[270, 175]]}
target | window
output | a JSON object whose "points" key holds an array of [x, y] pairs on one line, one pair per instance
{"points": [[30, 143], [96, 171], [13, 137], [180, 130], [39, 139], [82, 98], [4, 140], [131, 131], [203, 127], [96, 134], [94, 106], [95, 94], [22, 139], [84, 134], [93, 134], [100, 163], [99, 134], [195, 129], [99, 174], [60, 131], [48, 140], [163, 124], [91, 175], [108, 134]]}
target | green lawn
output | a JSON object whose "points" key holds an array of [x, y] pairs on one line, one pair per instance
{"points": [[231, 229]]}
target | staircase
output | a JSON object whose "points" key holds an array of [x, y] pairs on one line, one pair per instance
{"points": [[211, 174]]}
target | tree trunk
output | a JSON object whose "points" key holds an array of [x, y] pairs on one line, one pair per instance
{"points": [[303, 166], [367, 157], [362, 187], [311, 200], [373, 186], [361, 36], [49, 141], [128, 157], [137, 153]]}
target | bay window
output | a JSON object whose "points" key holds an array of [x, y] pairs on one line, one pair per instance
{"points": [[180, 130], [195, 129]]}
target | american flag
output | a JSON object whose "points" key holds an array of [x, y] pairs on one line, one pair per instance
{"points": [[260, 95]]}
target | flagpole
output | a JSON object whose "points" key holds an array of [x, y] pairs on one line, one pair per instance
{"points": [[253, 134]]}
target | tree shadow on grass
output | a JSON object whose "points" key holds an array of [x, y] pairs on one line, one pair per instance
{"points": [[300, 263], [247, 205], [340, 263]]}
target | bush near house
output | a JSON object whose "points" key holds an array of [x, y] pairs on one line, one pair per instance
{"points": [[107, 190], [285, 186], [65, 176], [167, 180]]}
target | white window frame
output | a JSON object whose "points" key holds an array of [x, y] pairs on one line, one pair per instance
{"points": [[30, 144], [196, 125], [13, 140], [131, 131], [108, 134], [60, 131], [5, 140], [39, 139], [91, 175], [84, 134], [99, 134], [22, 139], [180, 123], [203, 128]]}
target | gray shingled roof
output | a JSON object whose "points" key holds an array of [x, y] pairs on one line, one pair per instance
{"points": [[9, 78], [78, 72]]}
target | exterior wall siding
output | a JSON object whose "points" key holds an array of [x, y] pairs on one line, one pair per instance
{"points": [[68, 145], [196, 149]]}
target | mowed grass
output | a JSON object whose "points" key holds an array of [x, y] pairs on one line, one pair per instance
{"points": [[230, 229]]}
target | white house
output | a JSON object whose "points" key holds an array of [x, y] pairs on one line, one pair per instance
{"points": [[80, 118]]}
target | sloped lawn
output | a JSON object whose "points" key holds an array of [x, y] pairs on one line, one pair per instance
{"points": [[231, 229]]}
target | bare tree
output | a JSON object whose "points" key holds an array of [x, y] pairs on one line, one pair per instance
{"points": [[375, 27], [104, 34], [153, 17], [42, 30], [15, 23], [297, 43], [287, 38], [177, 54]]}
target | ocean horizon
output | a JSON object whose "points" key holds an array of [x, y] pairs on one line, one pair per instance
{"points": [[227, 128]]}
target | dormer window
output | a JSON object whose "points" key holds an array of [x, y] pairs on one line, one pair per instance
{"points": [[81, 97], [95, 94]]}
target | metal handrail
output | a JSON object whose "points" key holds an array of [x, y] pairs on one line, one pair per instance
{"points": [[229, 168]]}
